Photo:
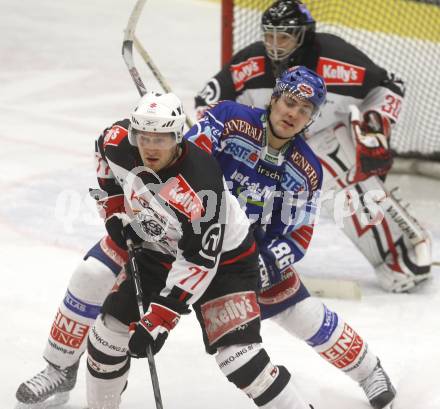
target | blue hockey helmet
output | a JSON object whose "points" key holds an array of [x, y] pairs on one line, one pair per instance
{"points": [[303, 83]]}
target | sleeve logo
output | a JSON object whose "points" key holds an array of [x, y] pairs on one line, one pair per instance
{"points": [[114, 136]]}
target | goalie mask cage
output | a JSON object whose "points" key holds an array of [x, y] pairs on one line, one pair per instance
{"points": [[402, 36]]}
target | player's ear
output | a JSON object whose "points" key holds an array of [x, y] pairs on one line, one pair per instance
{"points": [[273, 99]]}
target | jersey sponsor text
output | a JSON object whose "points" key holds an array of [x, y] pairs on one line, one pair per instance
{"points": [[225, 314], [246, 70], [345, 350], [337, 72]]}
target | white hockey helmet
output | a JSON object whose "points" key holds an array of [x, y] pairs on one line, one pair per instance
{"points": [[161, 113]]}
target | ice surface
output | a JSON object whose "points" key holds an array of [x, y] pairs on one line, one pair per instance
{"points": [[62, 80]]}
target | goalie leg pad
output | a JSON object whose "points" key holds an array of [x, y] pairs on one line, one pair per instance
{"points": [[332, 338], [89, 285], [249, 368], [107, 363], [394, 243]]}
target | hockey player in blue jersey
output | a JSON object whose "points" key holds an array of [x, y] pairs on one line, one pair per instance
{"points": [[277, 177], [351, 137]]}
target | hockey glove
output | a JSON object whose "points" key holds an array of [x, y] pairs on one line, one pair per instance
{"points": [[154, 326], [119, 229], [117, 222], [371, 136]]}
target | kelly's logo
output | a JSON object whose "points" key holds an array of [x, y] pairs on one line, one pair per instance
{"points": [[251, 68], [226, 314], [337, 72], [179, 194]]}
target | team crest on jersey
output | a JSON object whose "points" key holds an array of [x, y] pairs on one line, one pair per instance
{"points": [[337, 72], [246, 70], [180, 195], [114, 136]]}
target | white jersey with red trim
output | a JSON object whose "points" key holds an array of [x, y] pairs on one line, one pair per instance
{"points": [[351, 78]]}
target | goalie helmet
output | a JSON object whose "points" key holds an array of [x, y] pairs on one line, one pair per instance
{"points": [[285, 25], [303, 83], [161, 113]]}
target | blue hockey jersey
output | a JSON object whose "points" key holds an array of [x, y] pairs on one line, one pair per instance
{"points": [[279, 190]]}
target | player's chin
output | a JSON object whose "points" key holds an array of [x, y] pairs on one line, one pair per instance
{"points": [[286, 132], [153, 164]]}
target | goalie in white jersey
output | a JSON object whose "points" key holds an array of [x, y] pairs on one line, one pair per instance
{"points": [[351, 137]]}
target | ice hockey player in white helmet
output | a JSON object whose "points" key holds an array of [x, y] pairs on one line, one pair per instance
{"points": [[191, 251], [208, 267]]}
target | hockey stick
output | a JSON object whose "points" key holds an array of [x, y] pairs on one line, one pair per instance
{"points": [[127, 54], [134, 271], [156, 72], [332, 288], [127, 46]]}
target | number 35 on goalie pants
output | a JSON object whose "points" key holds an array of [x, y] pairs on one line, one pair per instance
{"points": [[397, 247]]}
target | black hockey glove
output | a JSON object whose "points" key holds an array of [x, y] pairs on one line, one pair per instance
{"points": [[120, 233], [373, 156], [154, 326]]}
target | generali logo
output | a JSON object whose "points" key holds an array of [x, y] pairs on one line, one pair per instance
{"points": [[251, 68], [337, 72], [225, 314], [180, 195]]}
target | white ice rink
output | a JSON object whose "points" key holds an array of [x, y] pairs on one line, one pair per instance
{"points": [[62, 80]]}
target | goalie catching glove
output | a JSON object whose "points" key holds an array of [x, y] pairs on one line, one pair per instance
{"points": [[371, 138], [152, 329]]}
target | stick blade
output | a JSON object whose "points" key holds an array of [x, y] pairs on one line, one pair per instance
{"points": [[333, 288]]}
